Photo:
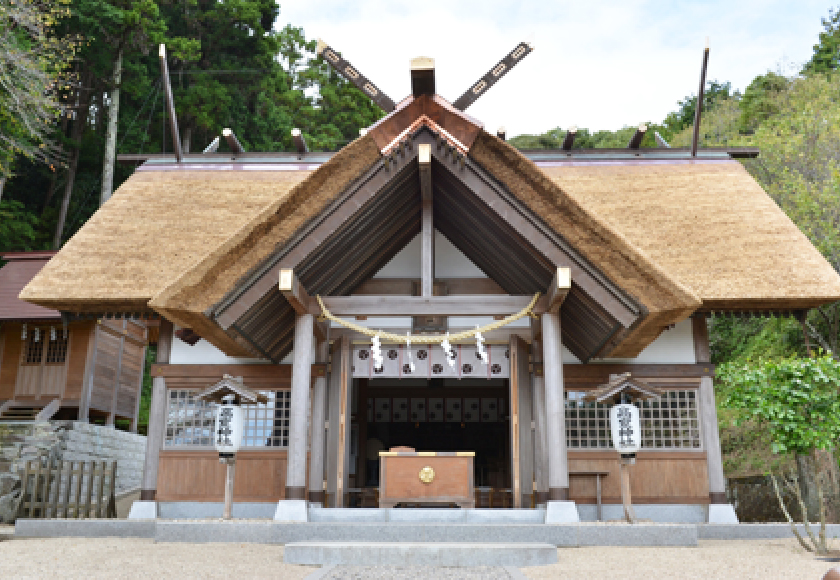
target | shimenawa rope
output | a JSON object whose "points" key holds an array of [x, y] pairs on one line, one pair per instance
{"points": [[429, 338]]}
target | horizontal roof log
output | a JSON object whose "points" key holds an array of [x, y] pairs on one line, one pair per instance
{"points": [[636, 139], [569, 139], [464, 305], [536, 155], [232, 141]]}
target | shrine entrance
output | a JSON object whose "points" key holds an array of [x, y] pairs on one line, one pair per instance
{"points": [[438, 415]]}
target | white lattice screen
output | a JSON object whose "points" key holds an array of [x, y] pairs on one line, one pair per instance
{"points": [[190, 422], [669, 422]]}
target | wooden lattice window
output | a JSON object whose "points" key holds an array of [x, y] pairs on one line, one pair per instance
{"points": [[56, 349], [33, 352], [668, 422], [190, 422]]}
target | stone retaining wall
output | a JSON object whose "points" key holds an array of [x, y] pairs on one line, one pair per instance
{"points": [[53, 441]]}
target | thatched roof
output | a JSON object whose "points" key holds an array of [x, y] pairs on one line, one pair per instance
{"points": [[710, 226], [675, 236]]}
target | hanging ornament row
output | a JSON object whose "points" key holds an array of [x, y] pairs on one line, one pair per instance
{"points": [[378, 335]]}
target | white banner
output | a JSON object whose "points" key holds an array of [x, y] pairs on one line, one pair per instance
{"points": [[430, 362]]}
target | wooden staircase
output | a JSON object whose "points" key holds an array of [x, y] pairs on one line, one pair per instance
{"points": [[14, 411]]}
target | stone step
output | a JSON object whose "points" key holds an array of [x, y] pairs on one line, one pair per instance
{"points": [[419, 554]]}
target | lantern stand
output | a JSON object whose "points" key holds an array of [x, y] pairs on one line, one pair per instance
{"points": [[230, 394], [625, 425]]}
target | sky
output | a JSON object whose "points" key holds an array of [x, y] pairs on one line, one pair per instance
{"points": [[596, 64]]}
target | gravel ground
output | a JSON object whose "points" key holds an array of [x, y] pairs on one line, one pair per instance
{"points": [[712, 560], [133, 558]]}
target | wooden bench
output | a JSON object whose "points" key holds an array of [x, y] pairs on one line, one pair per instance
{"points": [[598, 475]]}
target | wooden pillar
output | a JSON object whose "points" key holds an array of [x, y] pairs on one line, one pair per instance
{"points": [[555, 411], [521, 441], [343, 431], [538, 389], [316, 446], [708, 414], [427, 252], [338, 436], [157, 416], [361, 421], [299, 407]]}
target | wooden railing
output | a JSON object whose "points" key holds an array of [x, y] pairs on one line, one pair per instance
{"points": [[70, 490]]}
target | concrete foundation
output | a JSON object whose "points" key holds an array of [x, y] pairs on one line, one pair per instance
{"points": [[561, 512], [722, 513], [419, 554], [291, 510], [143, 510], [659, 513]]}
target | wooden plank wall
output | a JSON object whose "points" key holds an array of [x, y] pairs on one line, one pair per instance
{"points": [[198, 476], [665, 477], [108, 347], [80, 337], [119, 359], [11, 359]]}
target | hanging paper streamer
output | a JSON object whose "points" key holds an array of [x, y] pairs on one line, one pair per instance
{"points": [[376, 353], [411, 367], [448, 351], [479, 346]]}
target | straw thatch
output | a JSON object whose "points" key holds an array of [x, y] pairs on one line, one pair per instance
{"points": [[185, 300], [666, 299], [711, 227], [157, 225], [674, 236]]}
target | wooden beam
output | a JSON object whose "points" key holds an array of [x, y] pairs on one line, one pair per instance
{"points": [[558, 289], [636, 139], [349, 72], [170, 104], [422, 76], [464, 305], [569, 139], [322, 329], [427, 236], [300, 142], [294, 292], [698, 110], [232, 141], [501, 133], [522, 50]]}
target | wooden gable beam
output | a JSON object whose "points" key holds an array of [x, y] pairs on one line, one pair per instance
{"points": [[698, 110], [569, 139], [427, 252], [636, 139], [170, 104], [522, 50], [232, 141], [559, 288], [349, 72], [293, 291]]}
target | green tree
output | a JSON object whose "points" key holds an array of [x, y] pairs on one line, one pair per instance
{"points": [[795, 400], [34, 60], [826, 55]]}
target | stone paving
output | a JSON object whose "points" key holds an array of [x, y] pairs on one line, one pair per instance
{"points": [[413, 572]]}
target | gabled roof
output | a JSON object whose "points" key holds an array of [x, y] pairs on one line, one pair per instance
{"points": [[675, 236], [17, 273]]}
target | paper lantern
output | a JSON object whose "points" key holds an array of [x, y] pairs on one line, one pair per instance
{"points": [[229, 427], [626, 428]]}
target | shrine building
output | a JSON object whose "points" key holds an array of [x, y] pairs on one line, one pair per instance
{"points": [[427, 224]]}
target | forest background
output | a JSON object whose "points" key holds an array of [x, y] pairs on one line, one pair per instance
{"points": [[80, 82]]}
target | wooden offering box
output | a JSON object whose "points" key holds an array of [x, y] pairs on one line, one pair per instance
{"points": [[426, 477]]}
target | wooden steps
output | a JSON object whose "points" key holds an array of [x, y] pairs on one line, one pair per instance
{"points": [[29, 412]]}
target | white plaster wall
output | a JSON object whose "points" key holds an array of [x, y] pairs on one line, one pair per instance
{"points": [[449, 262], [204, 353], [674, 346]]}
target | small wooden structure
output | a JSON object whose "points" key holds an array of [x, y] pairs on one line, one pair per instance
{"points": [[426, 477], [71, 489], [623, 388]]}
